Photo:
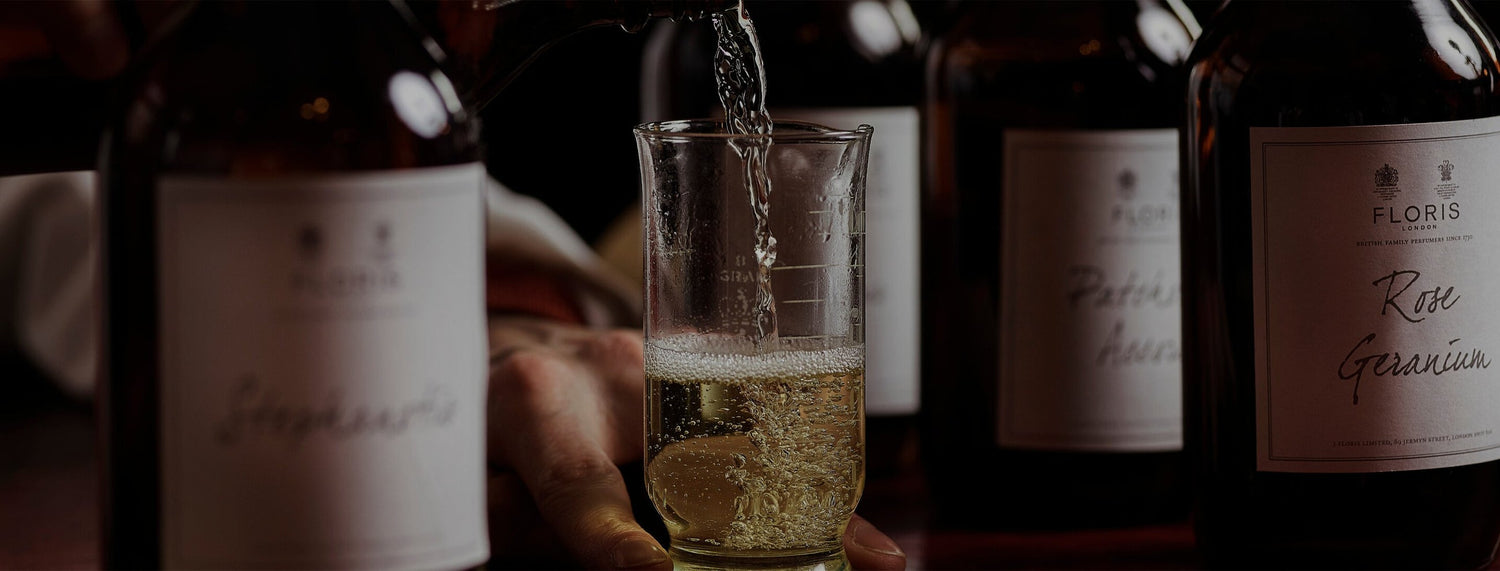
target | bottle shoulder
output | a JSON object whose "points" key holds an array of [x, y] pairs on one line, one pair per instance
{"points": [[1134, 46], [1337, 53], [220, 90], [1144, 32], [1089, 65]]}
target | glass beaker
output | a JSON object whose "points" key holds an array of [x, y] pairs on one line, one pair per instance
{"points": [[755, 402]]}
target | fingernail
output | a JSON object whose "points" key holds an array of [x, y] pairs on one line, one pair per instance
{"points": [[866, 536], [636, 552]]}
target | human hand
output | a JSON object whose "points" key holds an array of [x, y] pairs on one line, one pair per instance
{"points": [[565, 409]]}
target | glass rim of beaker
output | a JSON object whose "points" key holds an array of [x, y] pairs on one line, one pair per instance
{"points": [[812, 132]]}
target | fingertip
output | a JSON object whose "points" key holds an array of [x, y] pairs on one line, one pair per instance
{"points": [[639, 552], [870, 549]]}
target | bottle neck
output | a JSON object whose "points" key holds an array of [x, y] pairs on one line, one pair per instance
{"points": [[489, 42], [295, 17]]}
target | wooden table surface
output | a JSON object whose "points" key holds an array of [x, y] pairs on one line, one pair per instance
{"points": [[49, 505]]}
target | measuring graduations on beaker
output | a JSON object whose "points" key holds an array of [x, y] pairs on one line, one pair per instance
{"points": [[755, 444]]}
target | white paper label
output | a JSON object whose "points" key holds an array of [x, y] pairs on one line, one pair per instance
{"points": [[323, 369], [1090, 311], [892, 277], [1374, 289]]}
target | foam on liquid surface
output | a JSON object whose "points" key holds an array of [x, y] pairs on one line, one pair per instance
{"points": [[699, 358]]}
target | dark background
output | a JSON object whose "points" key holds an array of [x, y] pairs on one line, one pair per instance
{"points": [[561, 132]]}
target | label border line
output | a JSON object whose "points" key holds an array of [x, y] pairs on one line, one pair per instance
{"points": [[1265, 284]]}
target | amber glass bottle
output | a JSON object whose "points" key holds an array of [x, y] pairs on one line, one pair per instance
{"points": [[490, 43], [1339, 194], [1050, 361], [294, 335], [294, 349]]}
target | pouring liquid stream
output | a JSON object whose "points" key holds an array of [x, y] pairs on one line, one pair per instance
{"points": [[739, 74]]}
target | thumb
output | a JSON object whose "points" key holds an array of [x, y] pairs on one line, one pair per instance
{"points": [[870, 550]]}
